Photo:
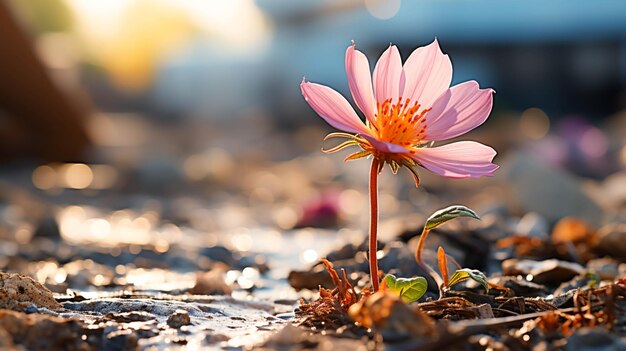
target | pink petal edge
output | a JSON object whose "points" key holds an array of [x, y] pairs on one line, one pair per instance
{"points": [[463, 159], [360, 82], [458, 110], [387, 75], [427, 74], [332, 107]]}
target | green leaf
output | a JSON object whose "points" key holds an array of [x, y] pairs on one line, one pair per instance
{"points": [[466, 273], [409, 289], [442, 216]]}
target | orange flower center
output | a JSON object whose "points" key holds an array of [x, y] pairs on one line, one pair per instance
{"points": [[401, 123]]}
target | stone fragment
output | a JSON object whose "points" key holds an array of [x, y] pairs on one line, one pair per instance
{"points": [[578, 282], [17, 292], [612, 240], [551, 192], [128, 317], [210, 283], [48, 228], [292, 338], [482, 311], [607, 268], [119, 340], [594, 339], [311, 279], [43, 332], [550, 272], [178, 319], [219, 253], [216, 338]]}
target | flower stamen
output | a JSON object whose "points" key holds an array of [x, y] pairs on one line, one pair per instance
{"points": [[402, 123]]}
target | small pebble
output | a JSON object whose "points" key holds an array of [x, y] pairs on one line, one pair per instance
{"points": [[288, 315], [31, 309], [178, 319]]}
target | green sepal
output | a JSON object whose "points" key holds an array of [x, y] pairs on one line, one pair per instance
{"points": [[442, 216]]}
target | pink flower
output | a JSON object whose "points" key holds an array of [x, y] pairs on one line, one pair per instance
{"points": [[407, 109]]}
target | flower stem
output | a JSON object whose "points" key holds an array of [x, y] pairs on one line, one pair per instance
{"points": [[418, 257], [373, 244], [420, 245]]}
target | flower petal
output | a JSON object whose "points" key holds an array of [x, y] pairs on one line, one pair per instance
{"points": [[360, 82], [457, 111], [463, 159], [387, 74], [385, 146], [333, 108], [427, 74]]}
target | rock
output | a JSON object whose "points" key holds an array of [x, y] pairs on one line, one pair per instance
{"points": [[292, 338], [312, 279], [17, 292], [210, 283], [286, 315], [550, 272], [468, 248], [219, 253], [347, 251], [43, 332], [607, 268], [215, 338], [289, 335], [48, 228], [563, 300], [128, 317], [581, 281], [30, 309], [553, 193], [612, 240], [259, 262], [521, 287], [178, 319], [594, 339], [482, 311], [208, 315], [120, 340]]}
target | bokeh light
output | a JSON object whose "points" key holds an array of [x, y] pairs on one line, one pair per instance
{"points": [[593, 143], [534, 123], [383, 9], [76, 176], [44, 177]]}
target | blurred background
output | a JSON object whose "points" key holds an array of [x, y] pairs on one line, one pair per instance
{"points": [[147, 123]]}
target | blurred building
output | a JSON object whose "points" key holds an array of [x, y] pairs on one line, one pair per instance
{"points": [[216, 60]]}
